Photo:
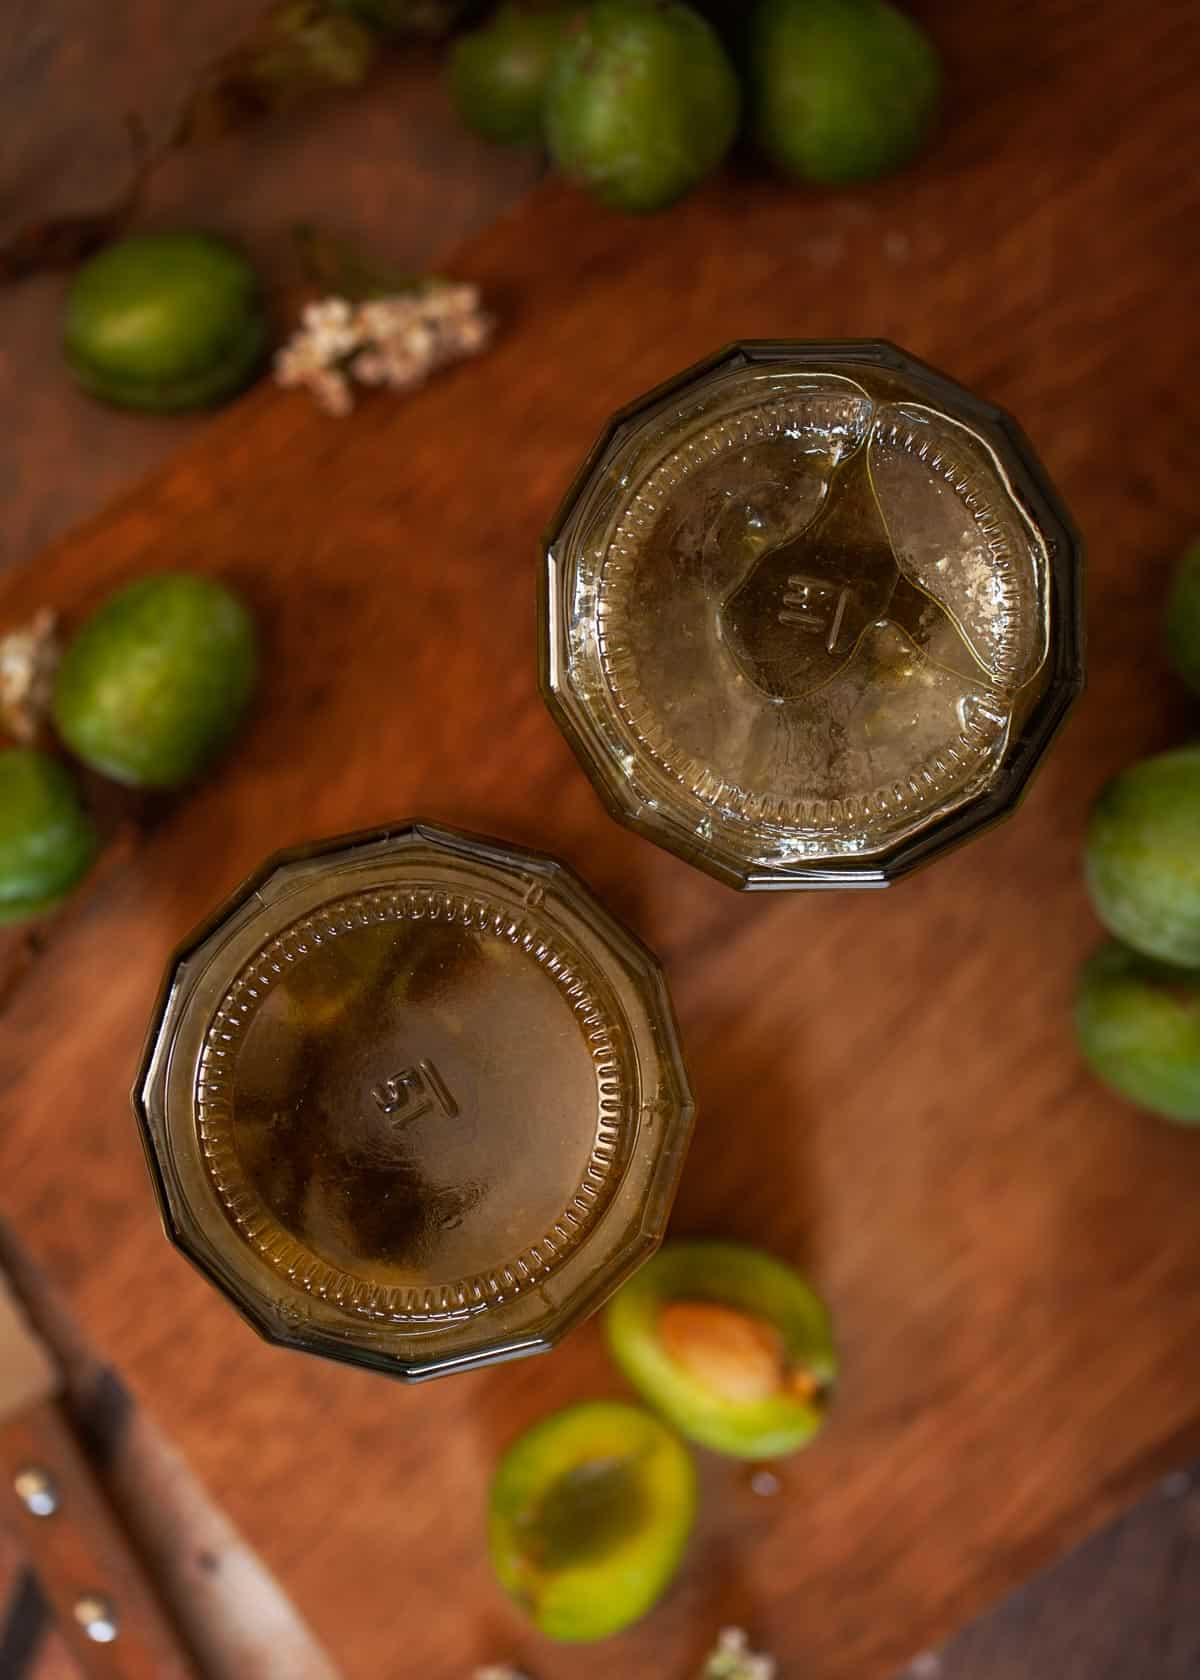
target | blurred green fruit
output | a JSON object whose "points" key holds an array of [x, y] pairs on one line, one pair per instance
{"points": [[840, 90], [642, 102], [47, 840], [1143, 856], [1183, 617], [588, 1517], [498, 74], [156, 681], [1139, 1027], [166, 322]]}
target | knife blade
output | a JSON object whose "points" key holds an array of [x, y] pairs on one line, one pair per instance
{"points": [[49, 1497]]}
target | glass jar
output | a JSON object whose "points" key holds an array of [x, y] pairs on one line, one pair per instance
{"points": [[811, 614], [414, 1100]]}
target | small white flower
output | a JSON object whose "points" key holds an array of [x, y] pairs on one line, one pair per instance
{"points": [[451, 301], [332, 391], [381, 318], [298, 360], [403, 373], [332, 327], [420, 341], [734, 1660], [469, 335], [370, 368], [326, 313], [28, 660]]}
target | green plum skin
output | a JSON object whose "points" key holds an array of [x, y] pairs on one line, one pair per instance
{"points": [[642, 103], [1182, 624], [165, 322], [156, 681], [47, 840], [1142, 856], [590, 1599], [498, 74], [751, 1282], [841, 90], [1138, 1022]]}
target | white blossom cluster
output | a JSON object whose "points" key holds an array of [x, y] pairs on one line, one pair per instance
{"points": [[394, 341]]}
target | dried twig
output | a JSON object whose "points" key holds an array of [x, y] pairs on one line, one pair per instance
{"points": [[298, 48], [62, 241]]}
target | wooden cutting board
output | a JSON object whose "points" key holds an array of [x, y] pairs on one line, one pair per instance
{"points": [[889, 1093]]}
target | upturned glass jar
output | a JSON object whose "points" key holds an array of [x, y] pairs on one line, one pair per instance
{"points": [[414, 1100], [811, 614]]}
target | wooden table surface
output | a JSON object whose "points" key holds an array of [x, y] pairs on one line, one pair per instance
{"points": [[888, 1090]]}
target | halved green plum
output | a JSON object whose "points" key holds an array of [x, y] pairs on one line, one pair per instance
{"points": [[588, 1517], [1138, 1022], [729, 1344]]}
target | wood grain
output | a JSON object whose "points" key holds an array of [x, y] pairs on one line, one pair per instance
{"points": [[888, 1088]]}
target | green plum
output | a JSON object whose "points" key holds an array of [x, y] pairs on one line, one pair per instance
{"points": [[588, 1518], [1139, 1026], [165, 322], [642, 102], [840, 90], [498, 73], [1143, 856], [729, 1344], [156, 681], [47, 840]]}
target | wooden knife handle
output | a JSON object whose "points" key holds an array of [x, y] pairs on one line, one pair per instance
{"points": [[81, 1555]]}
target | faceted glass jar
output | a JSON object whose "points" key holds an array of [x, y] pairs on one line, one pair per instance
{"points": [[414, 1100], [811, 614]]}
